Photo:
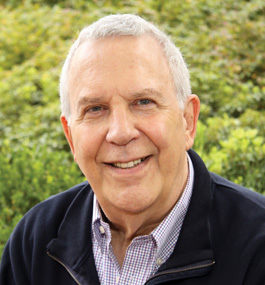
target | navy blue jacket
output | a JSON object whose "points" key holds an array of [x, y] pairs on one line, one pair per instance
{"points": [[222, 240]]}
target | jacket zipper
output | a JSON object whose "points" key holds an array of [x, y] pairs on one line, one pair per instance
{"points": [[183, 269], [68, 270], [153, 277]]}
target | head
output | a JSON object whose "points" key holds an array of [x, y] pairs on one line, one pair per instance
{"points": [[128, 122], [135, 26]]}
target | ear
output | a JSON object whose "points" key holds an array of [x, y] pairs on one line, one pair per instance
{"points": [[191, 115], [68, 134]]}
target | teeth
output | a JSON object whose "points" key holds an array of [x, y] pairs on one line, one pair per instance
{"points": [[129, 164]]}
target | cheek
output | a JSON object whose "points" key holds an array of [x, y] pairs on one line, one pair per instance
{"points": [[167, 133], [86, 144]]}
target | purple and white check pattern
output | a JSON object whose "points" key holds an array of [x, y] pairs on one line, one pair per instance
{"points": [[146, 253]]}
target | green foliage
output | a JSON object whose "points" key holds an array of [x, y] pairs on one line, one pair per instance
{"points": [[236, 153], [222, 41], [28, 176]]}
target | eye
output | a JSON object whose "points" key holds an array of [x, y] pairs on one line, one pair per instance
{"points": [[144, 102], [94, 109], [93, 112]]}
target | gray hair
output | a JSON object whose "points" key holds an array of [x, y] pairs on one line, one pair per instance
{"points": [[128, 25]]}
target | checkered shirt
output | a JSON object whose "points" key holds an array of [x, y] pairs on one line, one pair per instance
{"points": [[146, 253]]}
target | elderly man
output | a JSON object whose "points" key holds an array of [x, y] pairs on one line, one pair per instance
{"points": [[151, 212]]}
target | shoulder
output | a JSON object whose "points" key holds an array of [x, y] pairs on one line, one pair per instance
{"points": [[237, 214], [62, 199], [239, 196], [44, 219], [27, 243], [237, 222], [58, 203], [224, 193]]}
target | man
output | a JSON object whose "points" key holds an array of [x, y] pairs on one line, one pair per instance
{"points": [[151, 213]]}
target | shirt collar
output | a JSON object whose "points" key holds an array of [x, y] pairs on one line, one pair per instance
{"points": [[163, 231], [99, 227], [168, 230]]}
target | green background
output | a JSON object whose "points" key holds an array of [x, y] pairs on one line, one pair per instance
{"points": [[222, 42]]}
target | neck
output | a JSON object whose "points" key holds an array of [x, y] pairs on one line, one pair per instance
{"points": [[133, 224], [130, 226], [122, 236], [125, 226]]}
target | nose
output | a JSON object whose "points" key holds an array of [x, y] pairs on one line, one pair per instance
{"points": [[122, 127]]}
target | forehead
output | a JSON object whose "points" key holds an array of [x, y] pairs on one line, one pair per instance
{"points": [[124, 62], [123, 43], [117, 50]]}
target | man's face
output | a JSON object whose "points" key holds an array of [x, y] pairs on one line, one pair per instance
{"points": [[127, 132]]}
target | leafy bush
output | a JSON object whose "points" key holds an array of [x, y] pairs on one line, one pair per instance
{"points": [[234, 152], [28, 176]]}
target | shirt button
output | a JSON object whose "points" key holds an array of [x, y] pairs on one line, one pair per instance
{"points": [[101, 229], [159, 261], [117, 279]]}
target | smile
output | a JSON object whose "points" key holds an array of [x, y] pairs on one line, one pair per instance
{"points": [[130, 164]]}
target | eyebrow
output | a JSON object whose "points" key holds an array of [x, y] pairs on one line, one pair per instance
{"points": [[147, 92]]}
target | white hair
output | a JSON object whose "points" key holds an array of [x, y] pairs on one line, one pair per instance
{"points": [[128, 25]]}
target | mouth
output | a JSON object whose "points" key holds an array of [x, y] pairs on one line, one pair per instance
{"points": [[130, 164]]}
